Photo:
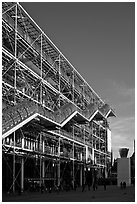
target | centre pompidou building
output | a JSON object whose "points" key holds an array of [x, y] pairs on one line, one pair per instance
{"points": [[54, 125]]}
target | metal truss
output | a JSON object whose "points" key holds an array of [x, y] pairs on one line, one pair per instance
{"points": [[42, 91], [27, 43]]}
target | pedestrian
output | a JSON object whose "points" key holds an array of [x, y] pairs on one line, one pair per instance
{"points": [[75, 186], [88, 180], [83, 186], [94, 186], [124, 185], [85, 183], [121, 185], [95, 183], [42, 188], [104, 181], [89, 184]]}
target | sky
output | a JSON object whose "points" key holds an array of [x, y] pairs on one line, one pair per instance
{"points": [[98, 38]]}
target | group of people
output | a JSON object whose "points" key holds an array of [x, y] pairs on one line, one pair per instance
{"points": [[91, 179]]}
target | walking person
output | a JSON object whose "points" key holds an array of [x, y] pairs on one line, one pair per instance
{"points": [[83, 187], [104, 183], [95, 183], [85, 182], [104, 179], [95, 180], [121, 185]]}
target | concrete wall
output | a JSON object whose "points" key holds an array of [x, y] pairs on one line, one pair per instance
{"points": [[123, 171]]}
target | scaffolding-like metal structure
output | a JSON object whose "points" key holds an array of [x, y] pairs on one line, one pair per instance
{"points": [[51, 117]]}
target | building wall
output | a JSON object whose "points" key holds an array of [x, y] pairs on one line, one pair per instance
{"points": [[124, 171]]}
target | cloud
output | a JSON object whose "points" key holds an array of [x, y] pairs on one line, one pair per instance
{"points": [[123, 134], [123, 123], [122, 96], [125, 95]]}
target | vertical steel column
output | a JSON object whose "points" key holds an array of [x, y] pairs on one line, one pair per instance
{"points": [[41, 70], [93, 157], [14, 162], [73, 159], [22, 168], [84, 179], [99, 144], [54, 171], [84, 135], [92, 134], [14, 134], [40, 157], [59, 162], [15, 52], [105, 153], [83, 95], [81, 175], [22, 174], [73, 87], [85, 156], [43, 162], [59, 91], [73, 135], [60, 122], [81, 166]]}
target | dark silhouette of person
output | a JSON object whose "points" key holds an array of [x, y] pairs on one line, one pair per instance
{"points": [[75, 185], [104, 179], [124, 184], [86, 181], [121, 185], [95, 180], [84, 185], [89, 179], [104, 182], [42, 188], [95, 183]]}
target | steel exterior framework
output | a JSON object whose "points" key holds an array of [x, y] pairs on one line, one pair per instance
{"points": [[50, 113]]}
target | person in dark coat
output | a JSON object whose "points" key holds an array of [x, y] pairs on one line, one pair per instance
{"points": [[95, 180], [104, 179], [104, 183], [124, 185]]}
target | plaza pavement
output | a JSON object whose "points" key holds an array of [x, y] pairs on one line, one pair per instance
{"points": [[112, 194]]}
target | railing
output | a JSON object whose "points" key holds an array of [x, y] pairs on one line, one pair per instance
{"points": [[64, 133], [69, 135]]}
